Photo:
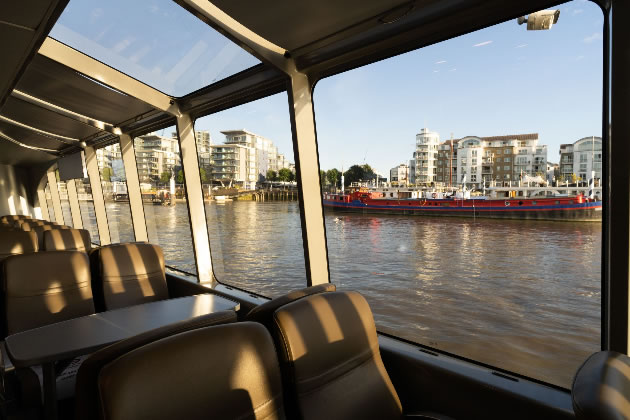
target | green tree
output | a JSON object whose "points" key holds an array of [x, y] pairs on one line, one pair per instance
{"points": [[180, 177], [333, 176], [322, 178], [272, 175], [357, 173], [165, 177], [285, 175], [203, 176], [574, 178], [106, 174]]}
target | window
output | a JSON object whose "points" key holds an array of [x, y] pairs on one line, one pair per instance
{"points": [[420, 274], [49, 204], [256, 238], [65, 203], [506, 160], [114, 184], [86, 205], [164, 197]]}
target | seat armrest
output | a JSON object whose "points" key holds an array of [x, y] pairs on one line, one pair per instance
{"points": [[179, 287]]}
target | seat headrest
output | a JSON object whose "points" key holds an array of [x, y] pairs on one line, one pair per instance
{"points": [[225, 371], [45, 287], [14, 242], [339, 327], [66, 239], [263, 313], [601, 387]]}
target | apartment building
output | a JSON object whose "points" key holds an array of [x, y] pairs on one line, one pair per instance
{"points": [[399, 175], [156, 155], [425, 156], [447, 163], [581, 159]]}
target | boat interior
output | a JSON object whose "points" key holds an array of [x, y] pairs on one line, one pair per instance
{"points": [[314, 352]]}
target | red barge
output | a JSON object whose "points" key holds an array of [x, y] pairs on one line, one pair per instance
{"points": [[578, 208]]}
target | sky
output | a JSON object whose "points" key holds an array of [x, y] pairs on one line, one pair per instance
{"points": [[497, 81]]}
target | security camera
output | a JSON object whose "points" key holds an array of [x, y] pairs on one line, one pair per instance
{"points": [[543, 19]]}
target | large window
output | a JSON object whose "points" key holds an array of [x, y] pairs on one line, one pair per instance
{"points": [[86, 204], [521, 295], [164, 197], [248, 178], [49, 204], [62, 189], [114, 182]]}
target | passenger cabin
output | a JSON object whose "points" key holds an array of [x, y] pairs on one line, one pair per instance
{"points": [[117, 303]]}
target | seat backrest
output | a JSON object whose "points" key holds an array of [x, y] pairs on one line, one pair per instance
{"points": [[28, 224], [601, 387], [331, 360], [263, 313], [66, 239], [128, 274], [13, 217], [221, 372], [14, 242], [45, 287], [87, 398]]}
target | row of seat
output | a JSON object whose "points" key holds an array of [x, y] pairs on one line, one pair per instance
{"points": [[319, 360]]}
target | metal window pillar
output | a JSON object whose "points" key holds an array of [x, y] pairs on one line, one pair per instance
{"points": [[133, 188], [307, 167], [54, 194], [97, 195], [43, 203], [75, 209], [194, 198]]}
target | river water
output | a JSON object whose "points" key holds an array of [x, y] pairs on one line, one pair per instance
{"points": [[519, 295]]}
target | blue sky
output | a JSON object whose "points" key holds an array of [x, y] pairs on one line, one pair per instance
{"points": [[497, 81]]}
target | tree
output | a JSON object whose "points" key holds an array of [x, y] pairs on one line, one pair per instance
{"points": [[203, 176], [358, 173], [285, 175], [333, 176], [180, 177], [165, 177], [272, 175], [574, 178], [322, 178], [106, 174]]}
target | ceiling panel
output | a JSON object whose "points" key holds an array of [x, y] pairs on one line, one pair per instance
{"points": [[293, 24], [55, 83], [44, 119], [29, 137], [12, 154], [27, 13]]}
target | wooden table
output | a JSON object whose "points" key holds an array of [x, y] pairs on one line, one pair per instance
{"points": [[79, 336]]}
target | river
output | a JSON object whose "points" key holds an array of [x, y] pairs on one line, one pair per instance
{"points": [[519, 295]]}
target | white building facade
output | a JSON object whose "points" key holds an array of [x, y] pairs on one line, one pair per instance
{"points": [[399, 175], [582, 159], [426, 153]]}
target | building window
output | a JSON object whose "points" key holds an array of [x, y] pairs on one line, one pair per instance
{"points": [[507, 151], [507, 159], [506, 168]]}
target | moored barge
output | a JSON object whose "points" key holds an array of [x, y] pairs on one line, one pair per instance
{"points": [[578, 208]]}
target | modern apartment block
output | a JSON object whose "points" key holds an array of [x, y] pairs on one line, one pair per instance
{"points": [[156, 155], [580, 159], [399, 175], [248, 163], [425, 157], [478, 161]]}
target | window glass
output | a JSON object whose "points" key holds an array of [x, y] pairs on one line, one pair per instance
{"points": [[65, 203], [86, 204], [114, 182], [253, 215], [164, 197], [521, 295], [49, 203], [158, 43]]}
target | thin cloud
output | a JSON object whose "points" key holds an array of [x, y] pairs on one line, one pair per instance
{"points": [[521, 46], [452, 69], [597, 36], [440, 62], [481, 44], [436, 71], [579, 57], [578, 11]]}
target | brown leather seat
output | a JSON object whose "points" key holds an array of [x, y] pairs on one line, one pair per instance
{"points": [[601, 387], [331, 360], [14, 242], [46, 287], [128, 274], [221, 372], [87, 404], [263, 313], [66, 239], [40, 289], [29, 224], [13, 217]]}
